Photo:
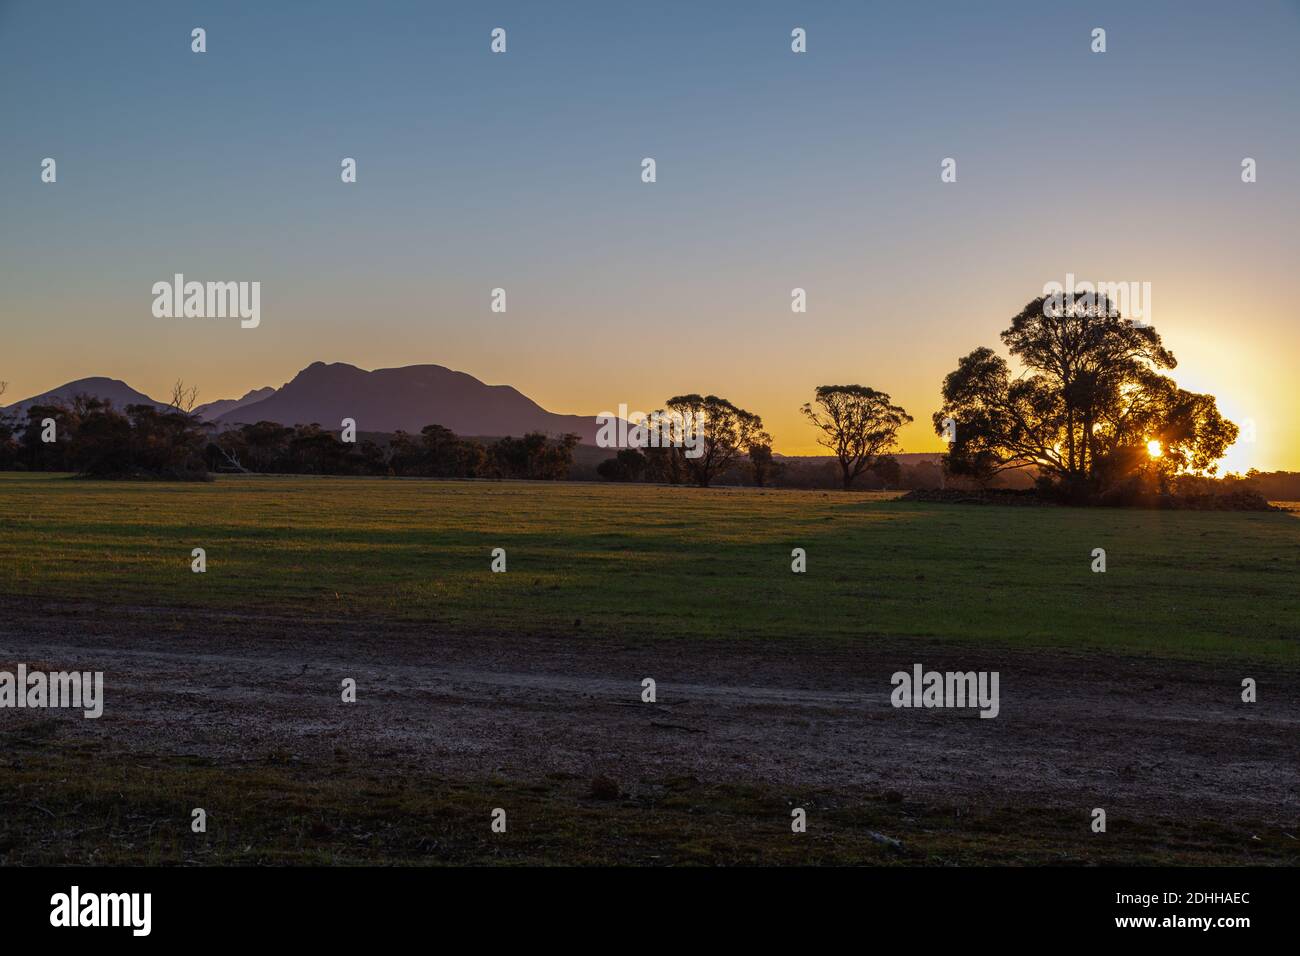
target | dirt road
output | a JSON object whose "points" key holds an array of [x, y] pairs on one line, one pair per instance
{"points": [[1148, 738]]}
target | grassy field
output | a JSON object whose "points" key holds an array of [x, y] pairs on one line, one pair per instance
{"points": [[640, 561], [411, 776]]}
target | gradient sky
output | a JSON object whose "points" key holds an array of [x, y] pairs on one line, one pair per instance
{"points": [[775, 170]]}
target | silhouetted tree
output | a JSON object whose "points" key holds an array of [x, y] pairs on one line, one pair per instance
{"points": [[99, 445], [628, 465], [405, 455], [535, 456], [261, 446], [761, 464], [315, 451], [184, 398], [94, 439], [858, 424], [162, 443], [727, 433], [1090, 399], [664, 465], [450, 456], [9, 427], [888, 470]]}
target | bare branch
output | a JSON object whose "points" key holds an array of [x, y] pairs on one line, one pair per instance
{"points": [[184, 399], [233, 460]]}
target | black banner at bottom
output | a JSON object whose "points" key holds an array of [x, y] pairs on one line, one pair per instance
{"points": [[923, 905]]}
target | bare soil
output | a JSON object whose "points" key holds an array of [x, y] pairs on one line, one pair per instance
{"points": [[1144, 738]]}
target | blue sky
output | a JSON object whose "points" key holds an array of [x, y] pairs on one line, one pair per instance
{"points": [[522, 170]]}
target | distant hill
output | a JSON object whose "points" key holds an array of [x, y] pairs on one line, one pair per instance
{"points": [[408, 398], [210, 411], [110, 389]]}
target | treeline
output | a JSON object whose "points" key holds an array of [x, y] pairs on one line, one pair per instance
{"points": [[1085, 412], [886, 473], [704, 440], [90, 437], [436, 452], [1273, 485]]}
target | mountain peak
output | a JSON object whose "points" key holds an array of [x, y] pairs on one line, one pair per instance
{"points": [[210, 411], [112, 390], [406, 399]]}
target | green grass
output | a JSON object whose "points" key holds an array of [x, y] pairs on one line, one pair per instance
{"points": [[640, 561]]}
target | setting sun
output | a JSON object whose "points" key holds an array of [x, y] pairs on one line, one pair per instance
{"points": [[1154, 449]]}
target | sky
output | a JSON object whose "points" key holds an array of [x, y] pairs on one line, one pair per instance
{"points": [[522, 171]]}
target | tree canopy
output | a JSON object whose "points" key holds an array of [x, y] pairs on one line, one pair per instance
{"points": [[1089, 407], [858, 424], [727, 434]]}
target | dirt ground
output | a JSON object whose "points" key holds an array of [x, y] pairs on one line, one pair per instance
{"points": [[1143, 738]]}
